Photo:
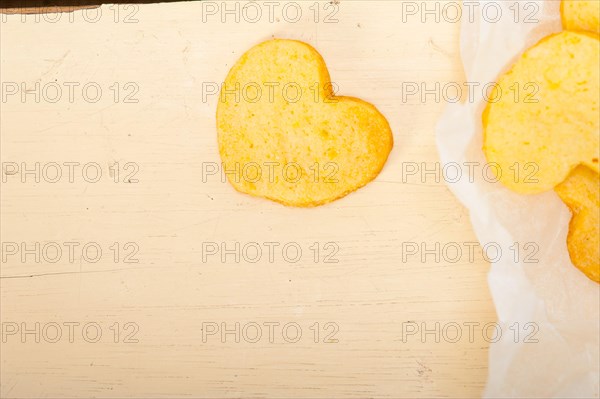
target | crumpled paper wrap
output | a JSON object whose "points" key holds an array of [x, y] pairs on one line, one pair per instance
{"points": [[549, 312]]}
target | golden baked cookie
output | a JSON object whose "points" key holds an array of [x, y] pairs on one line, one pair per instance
{"points": [[581, 193], [537, 137], [285, 136], [581, 15]]}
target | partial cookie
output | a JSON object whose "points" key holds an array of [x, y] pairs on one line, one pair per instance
{"points": [[581, 15], [285, 136], [581, 193], [551, 125]]}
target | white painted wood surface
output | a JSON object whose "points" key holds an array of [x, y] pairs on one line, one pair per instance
{"points": [[167, 52]]}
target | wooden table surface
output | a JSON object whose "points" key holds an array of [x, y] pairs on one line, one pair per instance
{"points": [[124, 91]]}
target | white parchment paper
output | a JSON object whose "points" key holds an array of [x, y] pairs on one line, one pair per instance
{"points": [[548, 311]]}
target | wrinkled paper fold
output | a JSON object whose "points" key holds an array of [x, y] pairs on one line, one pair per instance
{"points": [[548, 311]]}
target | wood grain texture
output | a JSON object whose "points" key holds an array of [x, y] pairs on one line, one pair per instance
{"points": [[171, 293]]}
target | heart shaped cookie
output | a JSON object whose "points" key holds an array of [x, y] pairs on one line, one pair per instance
{"points": [[581, 193], [285, 136], [581, 15], [543, 117]]}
